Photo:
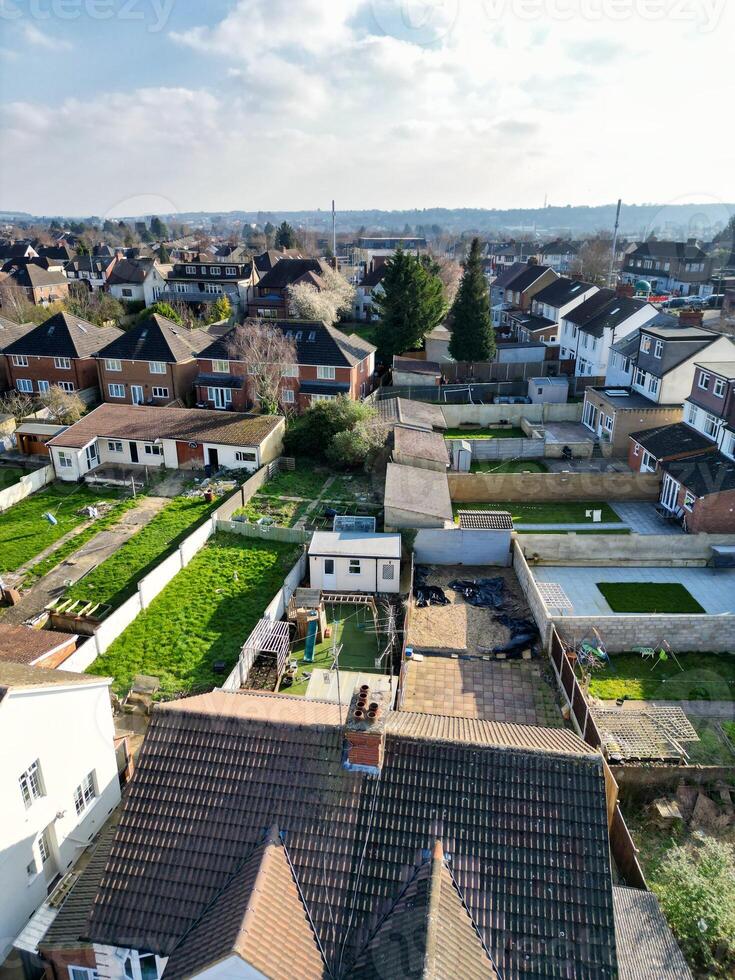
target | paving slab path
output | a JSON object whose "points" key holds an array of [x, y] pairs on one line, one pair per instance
{"points": [[95, 551]]}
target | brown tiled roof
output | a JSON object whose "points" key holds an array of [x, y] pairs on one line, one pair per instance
{"points": [[525, 831], [149, 422], [485, 520], [24, 645], [21, 676], [421, 443], [429, 933], [260, 900]]}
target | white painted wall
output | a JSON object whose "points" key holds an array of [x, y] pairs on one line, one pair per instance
{"points": [[26, 485], [226, 456], [69, 730], [135, 289], [78, 459], [233, 968], [370, 578]]}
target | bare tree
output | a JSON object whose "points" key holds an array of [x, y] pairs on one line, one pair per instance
{"points": [[593, 260], [17, 404], [269, 357], [65, 407], [13, 300], [450, 273]]}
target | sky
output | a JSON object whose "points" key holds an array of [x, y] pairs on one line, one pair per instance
{"points": [[124, 107]]}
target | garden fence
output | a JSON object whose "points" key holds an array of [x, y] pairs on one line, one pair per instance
{"points": [[26, 485], [266, 532]]}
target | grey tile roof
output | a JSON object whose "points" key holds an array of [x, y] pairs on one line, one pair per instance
{"points": [[646, 947], [286, 272], [703, 475], [316, 344], [525, 277], [524, 831], [419, 415], [64, 335], [421, 443], [157, 339], [563, 290], [416, 366], [611, 316], [11, 331]]}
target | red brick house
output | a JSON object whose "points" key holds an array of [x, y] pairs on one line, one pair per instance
{"points": [[329, 364], [9, 333], [154, 363], [61, 351], [41, 286], [270, 298]]}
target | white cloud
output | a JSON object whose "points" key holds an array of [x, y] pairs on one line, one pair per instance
{"points": [[450, 102], [38, 39]]}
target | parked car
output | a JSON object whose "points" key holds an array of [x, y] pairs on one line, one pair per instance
{"points": [[676, 303], [695, 302], [715, 301]]}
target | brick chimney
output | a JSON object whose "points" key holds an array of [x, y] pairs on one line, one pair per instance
{"points": [[365, 729], [691, 318], [624, 289]]}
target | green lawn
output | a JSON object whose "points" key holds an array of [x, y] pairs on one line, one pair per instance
{"points": [[285, 513], [10, 475], [203, 615], [61, 553], [729, 729], [23, 530], [359, 647], [305, 481], [512, 432], [117, 578], [368, 331], [649, 597], [706, 677], [509, 466], [547, 513]]}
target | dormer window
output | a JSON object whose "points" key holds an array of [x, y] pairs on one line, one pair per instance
{"points": [[658, 348], [215, 270], [718, 389], [191, 270], [230, 270], [704, 380], [646, 345]]}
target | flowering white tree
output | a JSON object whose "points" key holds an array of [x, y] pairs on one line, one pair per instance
{"points": [[269, 357], [326, 303]]}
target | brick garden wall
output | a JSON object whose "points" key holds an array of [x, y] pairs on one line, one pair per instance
{"points": [[623, 632], [530, 487]]}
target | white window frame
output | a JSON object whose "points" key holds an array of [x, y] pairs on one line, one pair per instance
{"points": [[44, 846], [215, 270], [221, 367], [636, 449], [688, 501], [159, 392], [230, 270], [711, 425], [24, 385], [324, 398], [653, 384], [43, 387], [31, 784], [703, 381], [692, 413], [151, 449], [85, 794], [646, 345], [116, 390], [133, 959], [355, 566], [648, 460], [81, 972], [246, 456], [290, 371], [718, 388], [66, 385], [62, 363], [19, 360], [114, 446], [64, 458], [113, 364], [288, 396], [157, 367], [326, 372], [191, 270]]}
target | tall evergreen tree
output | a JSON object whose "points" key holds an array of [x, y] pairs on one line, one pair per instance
{"points": [[411, 304], [285, 236], [473, 337]]}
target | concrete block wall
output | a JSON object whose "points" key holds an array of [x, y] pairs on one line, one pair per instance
{"points": [[634, 549], [622, 632], [26, 485], [528, 584], [529, 487], [456, 415]]}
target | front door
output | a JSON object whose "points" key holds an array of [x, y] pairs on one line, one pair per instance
{"points": [[669, 492], [329, 578], [133, 452], [136, 393], [213, 458]]}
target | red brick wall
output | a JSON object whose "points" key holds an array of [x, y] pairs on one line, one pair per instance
{"points": [[634, 462], [82, 374], [714, 514], [364, 748], [60, 959]]}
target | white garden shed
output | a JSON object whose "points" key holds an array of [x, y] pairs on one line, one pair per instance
{"points": [[355, 561]]}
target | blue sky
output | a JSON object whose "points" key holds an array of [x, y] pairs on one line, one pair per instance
{"points": [[178, 105]]}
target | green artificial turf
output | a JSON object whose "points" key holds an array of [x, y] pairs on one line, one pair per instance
{"points": [[117, 578], [24, 532], [60, 554], [360, 646], [547, 513], [204, 614], [512, 432], [705, 677], [509, 466], [649, 597]]}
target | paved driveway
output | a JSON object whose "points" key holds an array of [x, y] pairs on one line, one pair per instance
{"points": [[641, 518]]}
